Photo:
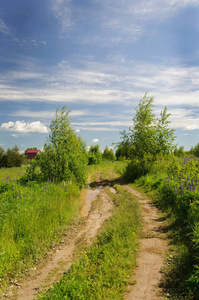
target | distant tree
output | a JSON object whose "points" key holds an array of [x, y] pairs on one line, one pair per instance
{"points": [[94, 155], [179, 151], [108, 154], [13, 157], [2, 158], [123, 148], [195, 150]]}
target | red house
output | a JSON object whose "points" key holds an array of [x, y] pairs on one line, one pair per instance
{"points": [[30, 154]]}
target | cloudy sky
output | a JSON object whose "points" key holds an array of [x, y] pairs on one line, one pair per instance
{"points": [[98, 57]]}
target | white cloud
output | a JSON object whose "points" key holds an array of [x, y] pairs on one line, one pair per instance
{"points": [[62, 12], [23, 127], [7, 125], [3, 28], [77, 130], [14, 135], [191, 127], [95, 140]]}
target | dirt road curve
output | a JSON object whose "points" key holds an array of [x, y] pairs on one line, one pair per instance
{"points": [[151, 255]]}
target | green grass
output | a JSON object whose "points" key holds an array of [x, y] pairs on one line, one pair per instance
{"points": [[106, 171], [106, 268], [7, 174], [33, 216]]}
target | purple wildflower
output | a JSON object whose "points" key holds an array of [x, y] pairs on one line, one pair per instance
{"points": [[166, 187], [182, 187], [194, 187], [175, 189]]}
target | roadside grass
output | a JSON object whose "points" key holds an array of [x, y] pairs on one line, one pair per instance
{"points": [[105, 270], [11, 173], [33, 217]]}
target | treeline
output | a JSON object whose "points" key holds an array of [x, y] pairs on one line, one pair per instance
{"points": [[11, 157]]}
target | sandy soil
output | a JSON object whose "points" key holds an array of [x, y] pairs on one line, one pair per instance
{"points": [[63, 258], [153, 248]]}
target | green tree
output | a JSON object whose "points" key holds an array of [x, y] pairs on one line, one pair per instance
{"points": [[149, 137], [94, 155], [64, 156], [13, 157], [108, 154], [179, 151], [195, 150], [2, 158], [123, 149]]}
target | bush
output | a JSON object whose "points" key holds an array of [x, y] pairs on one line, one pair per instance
{"points": [[108, 154], [94, 155]]}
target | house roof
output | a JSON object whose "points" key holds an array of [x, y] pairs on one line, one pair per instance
{"points": [[32, 151]]}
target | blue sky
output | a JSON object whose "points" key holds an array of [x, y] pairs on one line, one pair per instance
{"points": [[98, 57]]}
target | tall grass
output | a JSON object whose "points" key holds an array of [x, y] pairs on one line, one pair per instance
{"points": [[32, 216], [105, 270]]}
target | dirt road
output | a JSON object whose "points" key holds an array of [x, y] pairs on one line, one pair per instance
{"points": [[63, 258], [150, 260], [152, 252]]}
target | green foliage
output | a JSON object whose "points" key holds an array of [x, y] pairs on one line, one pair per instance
{"points": [[94, 155], [64, 156], [10, 158], [179, 151], [108, 154], [195, 150], [149, 137], [104, 270], [123, 149]]}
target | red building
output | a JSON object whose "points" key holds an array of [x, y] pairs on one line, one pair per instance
{"points": [[30, 154]]}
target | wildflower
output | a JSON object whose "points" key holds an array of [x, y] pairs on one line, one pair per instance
{"points": [[13, 188], [166, 187], [175, 189], [181, 186]]}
